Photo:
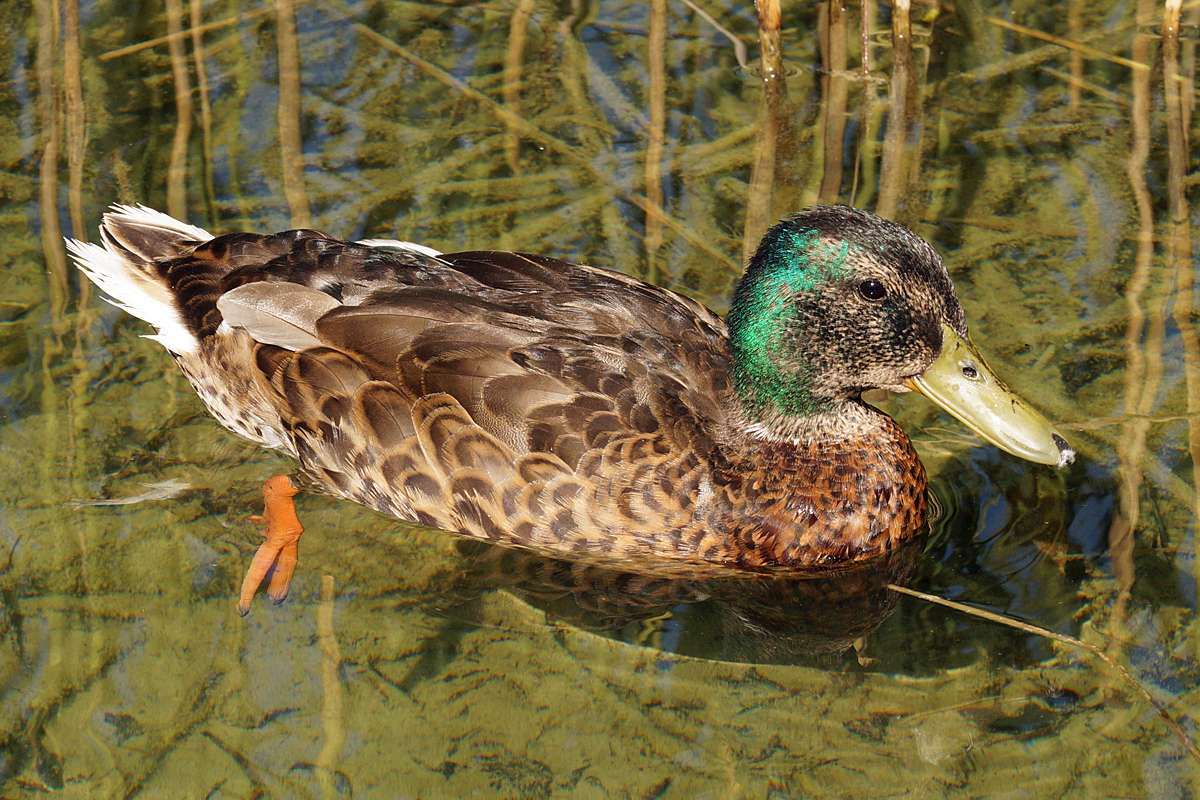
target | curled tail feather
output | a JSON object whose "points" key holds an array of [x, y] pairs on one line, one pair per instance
{"points": [[125, 267]]}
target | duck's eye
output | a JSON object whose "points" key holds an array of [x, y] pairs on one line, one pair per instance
{"points": [[872, 290]]}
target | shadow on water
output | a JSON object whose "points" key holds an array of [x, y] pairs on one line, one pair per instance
{"points": [[752, 620]]}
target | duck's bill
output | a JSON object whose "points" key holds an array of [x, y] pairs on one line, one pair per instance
{"points": [[963, 384]]}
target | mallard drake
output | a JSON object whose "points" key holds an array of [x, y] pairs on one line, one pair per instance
{"points": [[572, 410]]}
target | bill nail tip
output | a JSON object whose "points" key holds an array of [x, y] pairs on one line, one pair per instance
{"points": [[1066, 455]]}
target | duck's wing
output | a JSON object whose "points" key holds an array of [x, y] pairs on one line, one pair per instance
{"points": [[542, 354], [511, 396], [506, 396]]}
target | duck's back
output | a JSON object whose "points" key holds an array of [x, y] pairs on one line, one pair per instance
{"points": [[510, 397]]}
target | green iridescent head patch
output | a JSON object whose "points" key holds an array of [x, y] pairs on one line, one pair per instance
{"points": [[788, 264]]}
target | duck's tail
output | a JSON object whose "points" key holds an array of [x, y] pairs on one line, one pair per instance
{"points": [[126, 267]]}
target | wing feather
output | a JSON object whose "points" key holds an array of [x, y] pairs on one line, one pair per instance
{"points": [[503, 395], [280, 314]]}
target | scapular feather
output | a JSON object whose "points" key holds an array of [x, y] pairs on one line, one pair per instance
{"points": [[282, 314]]}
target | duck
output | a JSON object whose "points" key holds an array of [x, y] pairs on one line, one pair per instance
{"points": [[571, 410]]}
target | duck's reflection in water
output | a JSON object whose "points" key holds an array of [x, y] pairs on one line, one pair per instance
{"points": [[753, 618]]}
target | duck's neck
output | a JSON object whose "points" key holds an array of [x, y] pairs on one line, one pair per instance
{"points": [[827, 424], [773, 330]]}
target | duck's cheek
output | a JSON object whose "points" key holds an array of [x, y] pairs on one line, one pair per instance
{"points": [[891, 369], [911, 348], [886, 360], [917, 360], [891, 377]]}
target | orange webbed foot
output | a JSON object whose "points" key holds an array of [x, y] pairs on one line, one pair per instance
{"points": [[280, 550], [285, 565], [259, 566]]}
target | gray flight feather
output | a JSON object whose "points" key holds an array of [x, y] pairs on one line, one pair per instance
{"points": [[282, 314]]}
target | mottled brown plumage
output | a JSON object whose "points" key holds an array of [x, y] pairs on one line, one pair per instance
{"points": [[565, 409], [531, 402]]}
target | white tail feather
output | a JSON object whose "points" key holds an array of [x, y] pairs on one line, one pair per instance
{"points": [[130, 286], [146, 217]]}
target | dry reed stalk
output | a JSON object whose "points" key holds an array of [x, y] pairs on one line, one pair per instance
{"points": [[177, 169], [156, 41], [518, 26], [196, 9], [1179, 248], [1143, 367], [1077, 85], [739, 47], [864, 37], [565, 150], [897, 144], [1184, 738], [834, 97], [656, 47], [770, 22], [1177, 113], [76, 116], [291, 148], [333, 725], [760, 192], [870, 113], [48, 121], [1187, 65], [1083, 49], [1075, 28]]}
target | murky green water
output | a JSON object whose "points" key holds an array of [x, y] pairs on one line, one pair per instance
{"points": [[1056, 180]]}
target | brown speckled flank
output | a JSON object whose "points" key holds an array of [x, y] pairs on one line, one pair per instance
{"points": [[530, 402]]}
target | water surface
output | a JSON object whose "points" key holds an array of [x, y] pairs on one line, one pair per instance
{"points": [[1044, 148]]}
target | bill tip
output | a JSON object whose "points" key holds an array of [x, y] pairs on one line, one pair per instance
{"points": [[1065, 454]]}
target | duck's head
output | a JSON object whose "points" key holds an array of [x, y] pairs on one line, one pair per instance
{"points": [[837, 301]]}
